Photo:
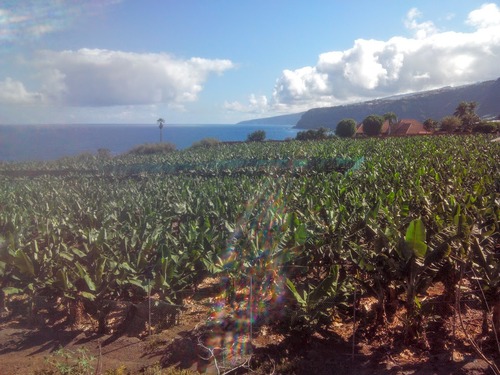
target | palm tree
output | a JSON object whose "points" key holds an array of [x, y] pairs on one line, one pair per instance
{"points": [[160, 122], [466, 112], [464, 108], [392, 119]]}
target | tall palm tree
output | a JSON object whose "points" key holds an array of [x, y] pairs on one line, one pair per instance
{"points": [[160, 122], [392, 119]]}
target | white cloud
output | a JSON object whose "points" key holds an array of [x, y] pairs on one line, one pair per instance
{"points": [[14, 92], [95, 77], [372, 68], [486, 16], [256, 105], [422, 30]]}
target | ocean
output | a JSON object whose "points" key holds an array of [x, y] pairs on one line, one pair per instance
{"points": [[49, 142]]}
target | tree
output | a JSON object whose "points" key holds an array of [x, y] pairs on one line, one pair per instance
{"points": [[206, 143], [430, 124], [450, 123], [346, 128], [392, 119], [312, 134], [160, 122], [256, 136], [486, 127], [322, 133], [372, 125], [103, 153], [466, 112], [463, 108]]}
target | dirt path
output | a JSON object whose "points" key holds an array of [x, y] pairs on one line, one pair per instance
{"points": [[27, 349]]}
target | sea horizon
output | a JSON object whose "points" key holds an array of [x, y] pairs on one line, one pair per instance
{"points": [[53, 141]]}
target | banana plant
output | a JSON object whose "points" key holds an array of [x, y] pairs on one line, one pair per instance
{"points": [[315, 302]]}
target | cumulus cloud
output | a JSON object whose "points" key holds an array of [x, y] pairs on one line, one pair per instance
{"points": [[257, 104], [429, 58], [14, 92], [423, 29], [486, 16], [95, 77]]}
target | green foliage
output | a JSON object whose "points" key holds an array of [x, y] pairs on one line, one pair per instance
{"points": [[68, 362], [256, 136], [466, 112], [486, 127], [372, 125], [415, 238], [312, 134], [206, 143], [430, 124], [450, 123], [346, 128], [391, 117], [93, 233], [103, 153], [152, 148], [317, 301]]}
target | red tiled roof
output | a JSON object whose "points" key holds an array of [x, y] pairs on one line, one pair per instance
{"points": [[402, 128], [410, 127]]}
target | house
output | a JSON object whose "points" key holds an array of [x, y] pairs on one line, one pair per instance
{"points": [[403, 128]]}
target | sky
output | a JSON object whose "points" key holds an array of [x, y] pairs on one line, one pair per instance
{"points": [[224, 61]]}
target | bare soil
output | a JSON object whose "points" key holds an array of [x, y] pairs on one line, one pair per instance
{"points": [[30, 348]]}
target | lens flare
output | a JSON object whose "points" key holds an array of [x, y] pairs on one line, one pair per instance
{"points": [[254, 280]]}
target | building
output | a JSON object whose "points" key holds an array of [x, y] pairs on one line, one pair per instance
{"points": [[403, 128]]}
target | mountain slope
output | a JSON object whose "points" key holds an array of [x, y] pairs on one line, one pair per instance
{"points": [[433, 104]]}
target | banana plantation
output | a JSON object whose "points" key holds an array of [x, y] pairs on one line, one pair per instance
{"points": [[296, 232]]}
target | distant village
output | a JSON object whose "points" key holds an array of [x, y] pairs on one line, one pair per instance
{"points": [[463, 120]]}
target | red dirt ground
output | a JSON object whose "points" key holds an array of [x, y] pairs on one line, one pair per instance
{"points": [[28, 349]]}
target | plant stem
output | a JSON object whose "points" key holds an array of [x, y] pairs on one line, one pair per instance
{"points": [[149, 306], [354, 323]]}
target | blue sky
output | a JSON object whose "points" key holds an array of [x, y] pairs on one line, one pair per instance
{"points": [[223, 61]]}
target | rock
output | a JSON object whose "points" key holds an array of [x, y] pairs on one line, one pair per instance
{"points": [[476, 367]]}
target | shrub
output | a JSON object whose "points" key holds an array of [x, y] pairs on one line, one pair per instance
{"points": [[256, 136], [450, 123], [486, 127], [346, 128], [312, 134], [103, 153], [372, 125], [206, 143], [152, 148], [430, 124]]}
